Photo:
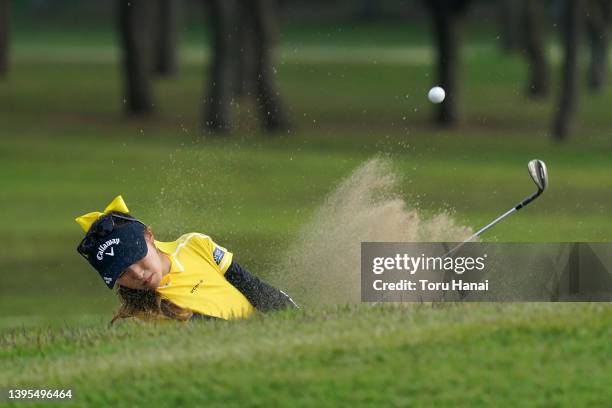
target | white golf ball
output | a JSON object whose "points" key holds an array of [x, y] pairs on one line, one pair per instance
{"points": [[436, 94]]}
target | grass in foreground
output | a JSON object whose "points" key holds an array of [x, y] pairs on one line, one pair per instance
{"points": [[417, 355]]}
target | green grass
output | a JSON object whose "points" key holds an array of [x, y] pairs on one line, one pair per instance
{"points": [[466, 355], [66, 149]]}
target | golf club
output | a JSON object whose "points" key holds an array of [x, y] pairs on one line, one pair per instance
{"points": [[539, 175]]}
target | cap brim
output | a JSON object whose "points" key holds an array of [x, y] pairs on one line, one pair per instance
{"points": [[118, 250]]}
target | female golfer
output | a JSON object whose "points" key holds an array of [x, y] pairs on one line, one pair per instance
{"points": [[191, 277]]}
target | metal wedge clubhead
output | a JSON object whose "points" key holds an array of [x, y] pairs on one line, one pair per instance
{"points": [[537, 171]]}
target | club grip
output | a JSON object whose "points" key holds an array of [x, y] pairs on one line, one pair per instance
{"points": [[528, 200]]}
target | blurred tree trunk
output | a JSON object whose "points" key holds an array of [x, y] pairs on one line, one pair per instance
{"points": [[534, 47], [134, 32], [4, 36], [446, 15], [243, 34], [165, 36], [222, 15], [243, 84], [598, 31], [573, 14], [509, 17], [371, 10], [263, 19]]}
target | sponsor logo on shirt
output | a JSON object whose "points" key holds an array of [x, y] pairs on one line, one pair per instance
{"points": [[196, 286], [218, 254]]}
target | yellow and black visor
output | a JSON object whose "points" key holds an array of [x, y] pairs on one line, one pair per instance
{"points": [[113, 241]]}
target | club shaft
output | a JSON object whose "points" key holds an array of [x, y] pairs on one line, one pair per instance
{"points": [[492, 223], [498, 219], [483, 229]]}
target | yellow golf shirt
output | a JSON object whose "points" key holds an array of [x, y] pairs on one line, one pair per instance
{"points": [[196, 279]]}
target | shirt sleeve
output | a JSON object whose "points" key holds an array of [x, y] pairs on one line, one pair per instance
{"points": [[220, 257], [263, 296]]}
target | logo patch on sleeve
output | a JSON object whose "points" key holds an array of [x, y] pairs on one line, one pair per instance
{"points": [[218, 254]]}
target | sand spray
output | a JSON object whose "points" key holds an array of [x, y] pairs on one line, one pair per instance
{"points": [[323, 265]]}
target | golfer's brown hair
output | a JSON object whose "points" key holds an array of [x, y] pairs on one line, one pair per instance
{"points": [[147, 304]]}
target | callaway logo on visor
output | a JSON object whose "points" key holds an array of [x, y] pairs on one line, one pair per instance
{"points": [[105, 246]]}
